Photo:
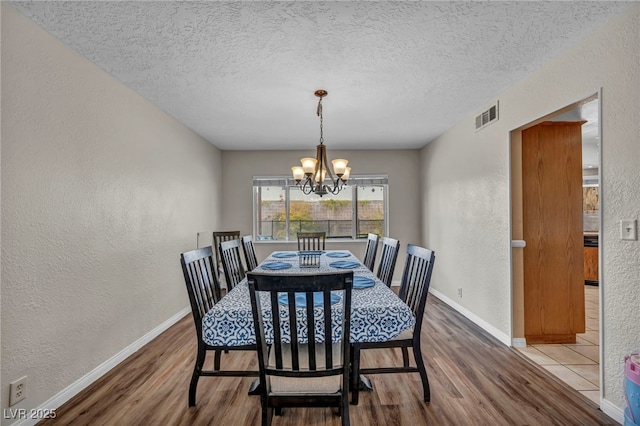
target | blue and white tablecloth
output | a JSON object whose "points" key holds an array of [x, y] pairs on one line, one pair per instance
{"points": [[377, 314]]}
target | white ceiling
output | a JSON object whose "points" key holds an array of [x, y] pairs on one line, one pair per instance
{"points": [[243, 74]]}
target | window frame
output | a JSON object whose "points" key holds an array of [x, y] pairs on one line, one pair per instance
{"points": [[287, 183]]}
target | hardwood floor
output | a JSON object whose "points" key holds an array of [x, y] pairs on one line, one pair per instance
{"points": [[475, 380]]}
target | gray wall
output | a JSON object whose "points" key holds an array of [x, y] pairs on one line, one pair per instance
{"points": [[101, 192], [466, 192], [402, 166]]}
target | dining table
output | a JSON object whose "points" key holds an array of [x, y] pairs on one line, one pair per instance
{"points": [[377, 313]]}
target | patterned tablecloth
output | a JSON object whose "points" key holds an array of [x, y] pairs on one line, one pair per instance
{"points": [[377, 314]]}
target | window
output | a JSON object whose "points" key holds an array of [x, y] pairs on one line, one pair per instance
{"points": [[281, 210]]}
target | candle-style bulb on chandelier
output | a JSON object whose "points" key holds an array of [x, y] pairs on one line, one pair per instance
{"points": [[311, 176]]}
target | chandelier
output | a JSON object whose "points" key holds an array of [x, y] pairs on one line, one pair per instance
{"points": [[313, 174]]}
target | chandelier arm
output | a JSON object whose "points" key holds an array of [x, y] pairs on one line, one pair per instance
{"points": [[317, 173], [335, 190], [326, 166], [306, 187]]}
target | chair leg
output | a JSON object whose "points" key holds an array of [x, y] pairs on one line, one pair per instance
{"points": [[216, 360], [417, 353], [197, 369], [267, 416], [344, 411], [405, 356], [355, 374], [351, 372]]}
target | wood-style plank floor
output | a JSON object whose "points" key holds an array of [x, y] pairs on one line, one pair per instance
{"points": [[475, 380]]}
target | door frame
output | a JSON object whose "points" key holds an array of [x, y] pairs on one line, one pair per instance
{"points": [[516, 264]]}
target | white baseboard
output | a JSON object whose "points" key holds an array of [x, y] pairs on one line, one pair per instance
{"points": [[473, 318], [519, 342], [83, 382], [611, 410]]}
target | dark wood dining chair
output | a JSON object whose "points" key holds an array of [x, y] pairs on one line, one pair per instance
{"points": [[198, 267], [371, 251], [218, 237], [311, 240], [231, 263], [414, 289], [249, 252], [388, 257], [314, 373]]}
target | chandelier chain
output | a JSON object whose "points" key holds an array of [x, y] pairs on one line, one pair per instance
{"points": [[319, 112]]}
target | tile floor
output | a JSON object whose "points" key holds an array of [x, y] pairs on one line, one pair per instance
{"points": [[576, 364]]}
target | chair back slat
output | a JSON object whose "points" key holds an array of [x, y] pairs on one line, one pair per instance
{"points": [[277, 332], [219, 237], [371, 251], [311, 240], [249, 252], [311, 329], [388, 257], [202, 284], [416, 279], [295, 343], [231, 263], [327, 332]]}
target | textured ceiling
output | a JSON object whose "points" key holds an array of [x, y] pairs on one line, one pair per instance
{"points": [[243, 74]]}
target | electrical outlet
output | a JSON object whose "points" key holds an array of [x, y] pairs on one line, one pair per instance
{"points": [[460, 292], [18, 390]]}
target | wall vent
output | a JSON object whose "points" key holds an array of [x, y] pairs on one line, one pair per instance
{"points": [[487, 117]]}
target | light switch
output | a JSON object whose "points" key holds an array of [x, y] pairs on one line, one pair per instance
{"points": [[628, 230]]}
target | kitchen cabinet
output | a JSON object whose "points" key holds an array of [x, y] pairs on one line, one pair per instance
{"points": [[591, 258]]}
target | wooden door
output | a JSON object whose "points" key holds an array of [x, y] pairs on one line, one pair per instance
{"points": [[552, 228]]}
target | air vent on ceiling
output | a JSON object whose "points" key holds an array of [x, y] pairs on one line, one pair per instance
{"points": [[487, 117]]}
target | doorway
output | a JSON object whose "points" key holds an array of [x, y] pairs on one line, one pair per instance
{"points": [[577, 364]]}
